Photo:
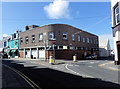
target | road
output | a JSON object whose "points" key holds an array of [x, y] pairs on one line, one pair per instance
{"points": [[69, 75]]}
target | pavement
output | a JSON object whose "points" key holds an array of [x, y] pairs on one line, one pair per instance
{"points": [[108, 65]]}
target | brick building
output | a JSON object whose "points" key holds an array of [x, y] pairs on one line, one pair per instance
{"points": [[37, 42], [116, 28]]}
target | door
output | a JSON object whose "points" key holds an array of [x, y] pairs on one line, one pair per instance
{"points": [[34, 53], [27, 53], [118, 46], [42, 54]]}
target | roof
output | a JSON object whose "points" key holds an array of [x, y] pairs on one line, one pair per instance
{"points": [[59, 25]]}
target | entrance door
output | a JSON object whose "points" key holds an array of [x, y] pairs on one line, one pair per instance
{"points": [[118, 46]]}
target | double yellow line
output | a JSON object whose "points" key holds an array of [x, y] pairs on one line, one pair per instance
{"points": [[110, 68], [28, 80]]}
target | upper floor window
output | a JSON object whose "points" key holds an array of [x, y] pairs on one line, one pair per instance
{"points": [[33, 38], [21, 41], [40, 36], [87, 40], [79, 38], [94, 41], [51, 35], [26, 40], [91, 41], [83, 40], [65, 35], [117, 15], [73, 37]]}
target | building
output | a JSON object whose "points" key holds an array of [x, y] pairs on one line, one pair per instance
{"points": [[59, 40], [104, 48], [116, 29], [13, 45]]}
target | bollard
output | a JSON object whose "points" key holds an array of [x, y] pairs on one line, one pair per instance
{"points": [[74, 58], [51, 59]]}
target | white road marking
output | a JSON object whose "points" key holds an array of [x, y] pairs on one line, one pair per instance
{"points": [[76, 72], [70, 65], [91, 62], [89, 66], [76, 65]]}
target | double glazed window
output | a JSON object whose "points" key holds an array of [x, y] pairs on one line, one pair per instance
{"points": [[33, 38], [51, 35], [87, 40], [65, 35], [40, 36], [26, 40], [79, 38], [83, 40], [21, 41], [73, 37], [117, 15]]}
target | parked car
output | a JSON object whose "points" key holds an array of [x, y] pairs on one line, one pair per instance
{"points": [[92, 56]]}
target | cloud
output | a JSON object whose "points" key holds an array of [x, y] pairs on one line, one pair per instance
{"points": [[58, 9], [5, 35]]}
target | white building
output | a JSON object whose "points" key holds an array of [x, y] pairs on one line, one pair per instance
{"points": [[115, 8], [104, 48]]}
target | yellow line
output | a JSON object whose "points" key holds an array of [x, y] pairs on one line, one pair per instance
{"points": [[110, 68], [105, 63], [28, 80]]}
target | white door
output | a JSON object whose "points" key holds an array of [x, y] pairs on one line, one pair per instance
{"points": [[28, 54], [34, 53], [42, 54]]}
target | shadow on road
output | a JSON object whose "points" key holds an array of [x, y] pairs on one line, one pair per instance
{"points": [[48, 78]]}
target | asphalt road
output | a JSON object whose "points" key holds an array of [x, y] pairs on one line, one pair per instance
{"points": [[91, 69], [47, 78]]}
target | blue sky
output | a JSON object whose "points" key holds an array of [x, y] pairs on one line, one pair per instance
{"points": [[94, 17]]}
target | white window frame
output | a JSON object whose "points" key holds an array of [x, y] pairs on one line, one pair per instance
{"points": [[40, 36], [21, 41], [83, 39], [33, 37], [52, 34], [26, 38], [117, 14], [87, 40], [73, 37], [91, 41], [79, 38], [65, 33]]}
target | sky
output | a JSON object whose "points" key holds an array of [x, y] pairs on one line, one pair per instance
{"points": [[93, 17]]}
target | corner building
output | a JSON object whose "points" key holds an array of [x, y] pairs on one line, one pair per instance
{"points": [[39, 42]]}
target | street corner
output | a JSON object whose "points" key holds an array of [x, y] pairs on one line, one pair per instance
{"points": [[110, 66]]}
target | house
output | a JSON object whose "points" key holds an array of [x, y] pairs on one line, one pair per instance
{"points": [[13, 45], [116, 29], [104, 48], [58, 40]]}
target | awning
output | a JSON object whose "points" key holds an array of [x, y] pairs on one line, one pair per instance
{"points": [[13, 50], [7, 51]]}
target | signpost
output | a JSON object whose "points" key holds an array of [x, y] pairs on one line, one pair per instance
{"points": [[54, 42]]}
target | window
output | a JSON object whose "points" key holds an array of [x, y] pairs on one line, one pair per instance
{"points": [[51, 35], [117, 15], [60, 47], [91, 41], [83, 40], [26, 40], [94, 41], [73, 38], [33, 38], [21, 41], [79, 38], [87, 40], [40, 36], [65, 35]]}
